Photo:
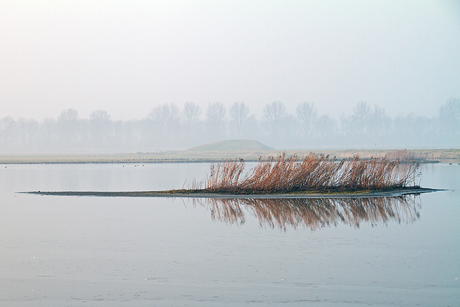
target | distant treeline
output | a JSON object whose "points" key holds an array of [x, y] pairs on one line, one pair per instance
{"points": [[169, 127]]}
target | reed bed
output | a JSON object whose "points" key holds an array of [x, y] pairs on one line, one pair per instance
{"points": [[314, 213], [313, 172]]}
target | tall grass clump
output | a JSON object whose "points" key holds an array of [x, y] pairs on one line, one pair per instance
{"points": [[313, 172]]}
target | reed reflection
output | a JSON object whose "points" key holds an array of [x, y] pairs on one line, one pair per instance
{"points": [[314, 213]]}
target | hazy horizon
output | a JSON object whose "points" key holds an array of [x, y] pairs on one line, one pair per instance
{"points": [[129, 57], [169, 127]]}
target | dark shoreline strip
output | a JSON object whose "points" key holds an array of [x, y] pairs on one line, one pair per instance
{"points": [[169, 194]]}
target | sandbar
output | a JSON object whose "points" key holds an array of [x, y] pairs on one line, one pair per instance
{"points": [[198, 194]]}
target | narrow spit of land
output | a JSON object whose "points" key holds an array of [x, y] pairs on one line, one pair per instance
{"points": [[200, 194], [312, 176]]}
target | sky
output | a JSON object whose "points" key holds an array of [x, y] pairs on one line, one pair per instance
{"points": [[126, 57]]}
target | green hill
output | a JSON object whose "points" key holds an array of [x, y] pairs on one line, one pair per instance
{"points": [[232, 145]]}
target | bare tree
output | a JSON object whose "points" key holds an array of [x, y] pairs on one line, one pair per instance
{"points": [[28, 133], [273, 114], [404, 129], [69, 115], [48, 134], [274, 111], [239, 114], [100, 128], [191, 123], [215, 121], [361, 116], [165, 115], [166, 123], [68, 128], [449, 121], [306, 114], [191, 115], [379, 122], [450, 111], [326, 127], [8, 134]]}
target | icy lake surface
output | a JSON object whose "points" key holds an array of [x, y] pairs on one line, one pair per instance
{"points": [[96, 251]]}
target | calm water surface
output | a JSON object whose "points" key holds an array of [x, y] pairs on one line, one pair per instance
{"points": [[90, 251]]}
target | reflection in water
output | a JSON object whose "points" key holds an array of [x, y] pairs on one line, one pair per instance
{"points": [[314, 213]]}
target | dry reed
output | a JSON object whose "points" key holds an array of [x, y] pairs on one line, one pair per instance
{"points": [[310, 173]]}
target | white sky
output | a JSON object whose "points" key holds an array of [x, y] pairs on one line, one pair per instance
{"points": [[126, 57]]}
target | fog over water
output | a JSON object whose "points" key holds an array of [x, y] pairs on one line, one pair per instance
{"points": [[157, 75]]}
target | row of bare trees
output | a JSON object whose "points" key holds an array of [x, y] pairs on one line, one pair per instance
{"points": [[169, 127]]}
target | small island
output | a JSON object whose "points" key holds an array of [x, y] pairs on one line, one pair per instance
{"points": [[310, 176]]}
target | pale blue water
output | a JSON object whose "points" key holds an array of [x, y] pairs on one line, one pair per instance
{"points": [[90, 251]]}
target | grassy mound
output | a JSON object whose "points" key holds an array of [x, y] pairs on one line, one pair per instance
{"points": [[232, 145]]}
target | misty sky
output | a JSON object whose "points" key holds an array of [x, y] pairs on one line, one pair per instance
{"points": [[126, 57]]}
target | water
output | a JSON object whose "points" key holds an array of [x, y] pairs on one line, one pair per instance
{"points": [[90, 251]]}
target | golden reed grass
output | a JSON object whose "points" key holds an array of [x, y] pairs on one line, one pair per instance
{"points": [[311, 173]]}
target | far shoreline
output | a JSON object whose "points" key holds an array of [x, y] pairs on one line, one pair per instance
{"points": [[192, 156]]}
